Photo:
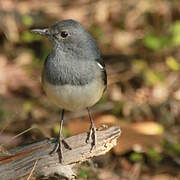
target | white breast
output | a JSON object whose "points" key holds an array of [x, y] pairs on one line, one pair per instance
{"points": [[75, 98]]}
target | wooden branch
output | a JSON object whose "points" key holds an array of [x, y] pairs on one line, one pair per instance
{"points": [[36, 158]]}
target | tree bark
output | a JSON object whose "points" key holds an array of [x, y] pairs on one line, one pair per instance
{"points": [[36, 159]]}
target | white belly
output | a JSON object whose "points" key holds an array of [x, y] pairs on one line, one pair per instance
{"points": [[75, 98]]}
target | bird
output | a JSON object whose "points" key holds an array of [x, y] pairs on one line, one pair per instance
{"points": [[74, 73]]}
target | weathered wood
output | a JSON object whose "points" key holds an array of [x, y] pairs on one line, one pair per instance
{"points": [[37, 156]]}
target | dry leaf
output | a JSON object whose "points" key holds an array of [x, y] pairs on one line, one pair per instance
{"points": [[133, 140], [115, 93], [148, 128], [106, 174], [14, 77], [76, 126], [135, 136], [123, 39], [24, 58], [102, 11], [164, 177]]}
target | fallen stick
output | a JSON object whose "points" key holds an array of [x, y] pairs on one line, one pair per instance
{"points": [[36, 159]]}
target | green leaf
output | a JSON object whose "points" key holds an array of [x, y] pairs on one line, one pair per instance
{"points": [[139, 65], [83, 173], [176, 27], [136, 157], [155, 42], [29, 37], [152, 77], [27, 106], [27, 20], [175, 30], [172, 148], [1, 113], [154, 155], [172, 63]]}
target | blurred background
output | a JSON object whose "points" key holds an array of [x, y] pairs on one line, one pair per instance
{"points": [[140, 43]]}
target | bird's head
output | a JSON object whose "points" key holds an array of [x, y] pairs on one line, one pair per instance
{"points": [[69, 35]]}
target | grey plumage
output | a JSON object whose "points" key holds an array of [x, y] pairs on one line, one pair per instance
{"points": [[61, 71], [72, 61]]}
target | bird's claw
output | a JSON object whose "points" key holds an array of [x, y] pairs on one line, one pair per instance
{"points": [[58, 147], [92, 136]]}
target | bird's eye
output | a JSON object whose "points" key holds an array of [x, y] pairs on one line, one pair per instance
{"points": [[64, 34]]}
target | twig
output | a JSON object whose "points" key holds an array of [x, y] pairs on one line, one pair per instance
{"points": [[21, 161], [32, 170]]}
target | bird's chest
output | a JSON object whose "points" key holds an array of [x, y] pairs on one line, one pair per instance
{"points": [[74, 98], [72, 72]]}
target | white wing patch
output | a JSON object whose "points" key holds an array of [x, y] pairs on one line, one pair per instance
{"points": [[101, 67]]}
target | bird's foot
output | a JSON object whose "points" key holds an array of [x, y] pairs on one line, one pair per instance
{"points": [[66, 145], [58, 148], [92, 136]]}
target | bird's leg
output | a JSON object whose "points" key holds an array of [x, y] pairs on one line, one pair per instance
{"points": [[60, 137], [61, 134], [92, 132]]}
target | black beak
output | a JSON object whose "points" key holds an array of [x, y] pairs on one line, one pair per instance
{"points": [[43, 32]]}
